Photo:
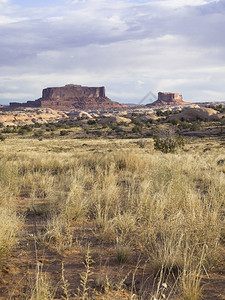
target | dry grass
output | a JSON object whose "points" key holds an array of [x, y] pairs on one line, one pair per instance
{"points": [[11, 222], [165, 208]]}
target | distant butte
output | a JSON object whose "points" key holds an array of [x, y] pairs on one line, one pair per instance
{"points": [[171, 99], [71, 96]]}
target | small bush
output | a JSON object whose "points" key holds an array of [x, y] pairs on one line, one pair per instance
{"points": [[97, 132], [9, 129], [168, 142], [184, 125], [2, 137], [63, 132], [195, 126], [175, 122], [137, 122], [38, 133], [221, 162], [91, 122], [159, 113], [22, 131], [53, 128], [142, 143], [25, 129], [137, 129], [122, 253]]}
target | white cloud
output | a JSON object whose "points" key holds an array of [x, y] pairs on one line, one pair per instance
{"points": [[128, 46], [182, 3]]}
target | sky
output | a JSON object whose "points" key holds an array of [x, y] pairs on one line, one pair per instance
{"points": [[129, 46]]}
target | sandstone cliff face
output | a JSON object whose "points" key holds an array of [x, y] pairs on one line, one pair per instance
{"points": [[172, 99], [71, 97], [71, 91]]}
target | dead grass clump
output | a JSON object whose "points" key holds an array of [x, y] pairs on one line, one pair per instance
{"points": [[10, 228], [42, 287], [9, 176], [57, 233]]}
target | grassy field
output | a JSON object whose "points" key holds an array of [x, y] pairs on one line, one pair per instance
{"points": [[111, 219]]}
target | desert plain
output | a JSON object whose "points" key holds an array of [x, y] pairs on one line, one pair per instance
{"points": [[97, 204]]}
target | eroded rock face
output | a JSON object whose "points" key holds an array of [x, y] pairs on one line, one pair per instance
{"points": [[172, 99], [71, 97], [196, 113], [30, 116]]}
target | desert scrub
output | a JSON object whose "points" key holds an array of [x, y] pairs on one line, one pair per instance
{"points": [[42, 287], [10, 228], [190, 278], [84, 290], [163, 207], [57, 233], [9, 176], [168, 141], [11, 223], [175, 217], [2, 137]]}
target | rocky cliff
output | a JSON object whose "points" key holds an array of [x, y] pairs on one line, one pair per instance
{"points": [[172, 99], [71, 97]]}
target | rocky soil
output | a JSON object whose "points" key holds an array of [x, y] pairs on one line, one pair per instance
{"points": [[30, 116]]}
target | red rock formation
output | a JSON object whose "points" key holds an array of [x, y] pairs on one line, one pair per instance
{"points": [[172, 99], [71, 97]]}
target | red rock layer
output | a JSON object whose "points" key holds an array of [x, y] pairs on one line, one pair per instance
{"points": [[71, 97], [172, 99]]}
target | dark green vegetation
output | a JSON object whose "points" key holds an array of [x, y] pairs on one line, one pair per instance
{"points": [[140, 127]]}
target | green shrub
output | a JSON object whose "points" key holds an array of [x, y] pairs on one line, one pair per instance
{"points": [[184, 125], [9, 129], [64, 132], [137, 122], [137, 129], [38, 133], [168, 142], [25, 129], [175, 122], [195, 126], [91, 122], [98, 132], [2, 137], [159, 113], [22, 131], [52, 128]]}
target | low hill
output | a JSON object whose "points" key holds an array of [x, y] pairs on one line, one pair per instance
{"points": [[197, 113]]}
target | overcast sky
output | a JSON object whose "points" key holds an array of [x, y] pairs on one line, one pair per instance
{"points": [[129, 46]]}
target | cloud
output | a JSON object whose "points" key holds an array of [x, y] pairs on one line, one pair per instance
{"points": [[165, 45], [181, 3]]}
